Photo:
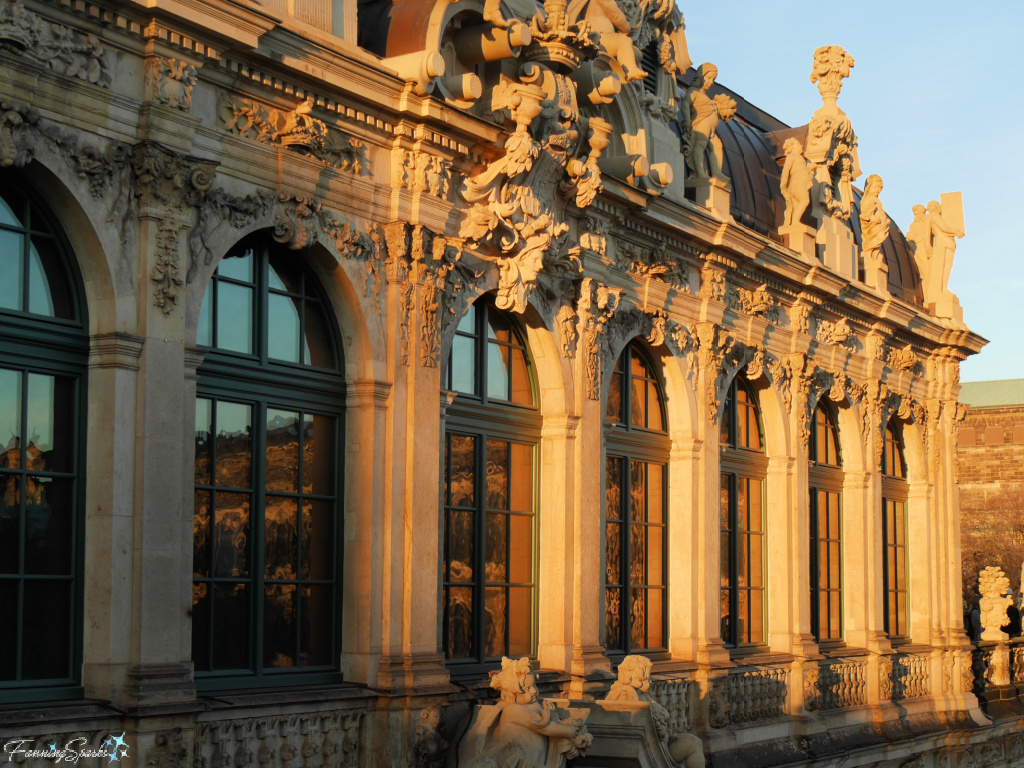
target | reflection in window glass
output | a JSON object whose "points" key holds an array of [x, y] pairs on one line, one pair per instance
{"points": [[488, 336], [894, 533], [643, 406], [11, 269]]}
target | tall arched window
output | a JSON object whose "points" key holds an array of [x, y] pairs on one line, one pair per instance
{"points": [[744, 468], [43, 358], [894, 532], [490, 481], [267, 515], [636, 496], [826, 499]]}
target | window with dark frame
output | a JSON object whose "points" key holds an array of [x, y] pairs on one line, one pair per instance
{"points": [[267, 516], [636, 496], [743, 471], [826, 522], [44, 353], [490, 481], [894, 533]]}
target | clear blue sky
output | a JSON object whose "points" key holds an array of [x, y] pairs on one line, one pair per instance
{"points": [[938, 106]]}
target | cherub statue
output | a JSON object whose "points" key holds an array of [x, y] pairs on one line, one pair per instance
{"points": [[521, 731], [700, 117], [797, 178], [874, 230], [616, 30], [943, 247], [633, 686]]}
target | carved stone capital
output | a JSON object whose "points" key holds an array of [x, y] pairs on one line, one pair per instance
{"points": [[166, 182]]}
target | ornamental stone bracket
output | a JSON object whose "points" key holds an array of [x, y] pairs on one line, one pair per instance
{"points": [[296, 130], [719, 356], [170, 81], [757, 303], [61, 49]]}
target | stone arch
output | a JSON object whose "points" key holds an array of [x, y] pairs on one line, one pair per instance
{"points": [[107, 270]]}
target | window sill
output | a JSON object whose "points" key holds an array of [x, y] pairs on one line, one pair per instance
{"points": [[212, 701], [55, 712], [838, 649], [758, 656]]}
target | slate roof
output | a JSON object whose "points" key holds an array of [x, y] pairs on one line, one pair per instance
{"points": [[992, 394]]}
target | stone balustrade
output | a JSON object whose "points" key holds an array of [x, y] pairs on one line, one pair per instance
{"points": [[836, 685], [674, 696], [910, 677], [747, 697]]}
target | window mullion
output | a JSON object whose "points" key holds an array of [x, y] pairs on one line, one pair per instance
{"points": [[258, 506]]}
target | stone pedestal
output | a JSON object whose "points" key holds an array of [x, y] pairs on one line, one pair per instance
{"points": [[800, 238], [948, 307], [836, 249], [712, 194]]}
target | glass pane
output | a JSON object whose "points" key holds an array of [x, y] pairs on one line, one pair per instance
{"points": [[638, 491], [637, 400], [724, 493], [12, 263], [613, 488], [521, 482], [282, 467], [39, 300], [460, 552], [497, 371], [468, 322], [742, 616], [498, 327], [496, 565], [318, 455], [230, 626], [613, 410], [521, 549], [280, 538], [237, 266], [10, 418], [497, 474], [613, 553], [234, 318], [464, 365], [725, 609], [755, 490], [494, 621], [316, 626], [201, 508], [318, 540], [656, 554], [742, 559], [317, 344], [204, 333], [522, 392], [10, 524], [655, 618], [637, 555], [654, 420], [900, 522], [756, 562], [725, 423], [204, 444], [460, 622], [613, 618], [462, 490], [39, 428], [234, 446], [231, 535], [283, 342], [725, 564], [201, 606], [520, 621], [638, 618], [8, 216], [48, 525], [46, 630], [279, 626], [742, 502], [283, 276], [756, 616], [655, 492]]}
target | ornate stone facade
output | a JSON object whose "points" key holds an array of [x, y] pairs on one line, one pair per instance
{"points": [[524, 158]]}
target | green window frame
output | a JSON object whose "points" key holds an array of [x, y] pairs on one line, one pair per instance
{"points": [[489, 487], [826, 523], [635, 588], [894, 535], [44, 352], [267, 525], [744, 468]]}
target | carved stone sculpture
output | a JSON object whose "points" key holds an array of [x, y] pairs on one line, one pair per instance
{"points": [[700, 117], [993, 585], [920, 242], [522, 731], [633, 686], [932, 237], [874, 229], [943, 247], [797, 178]]}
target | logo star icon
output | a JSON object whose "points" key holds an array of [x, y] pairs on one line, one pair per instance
{"points": [[119, 740], [118, 743], [53, 747]]}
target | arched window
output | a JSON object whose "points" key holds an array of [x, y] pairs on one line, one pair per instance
{"points": [[267, 513], [826, 486], [636, 496], [43, 358], [490, 481], [744, 468], [894, 532]]}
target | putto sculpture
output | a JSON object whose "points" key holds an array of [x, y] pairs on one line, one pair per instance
{"points": [[797, 178], [700, 117], [633, 686], [521, 730], [874, 230]]}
